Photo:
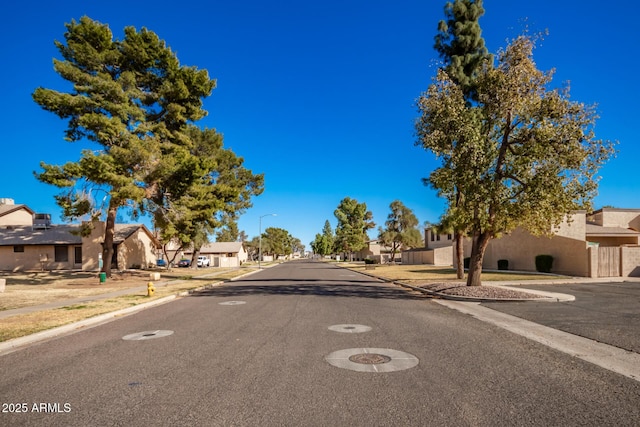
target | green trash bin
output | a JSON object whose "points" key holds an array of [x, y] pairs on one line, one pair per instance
{"points": [[103, 277]]}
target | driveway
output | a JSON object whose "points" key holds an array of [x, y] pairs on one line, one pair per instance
{"points": [[605, 312]]}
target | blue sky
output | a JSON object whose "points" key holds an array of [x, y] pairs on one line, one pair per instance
{"points": [[320, 95]]}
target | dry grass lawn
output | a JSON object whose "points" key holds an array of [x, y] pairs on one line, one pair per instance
{"points": [[30, 289], [427, 273]]}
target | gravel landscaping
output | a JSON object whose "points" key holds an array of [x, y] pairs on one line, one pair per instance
{"points": [[488, 292]]}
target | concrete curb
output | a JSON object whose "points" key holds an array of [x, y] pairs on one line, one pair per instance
{"points": [[16, 344], [606, 356]]}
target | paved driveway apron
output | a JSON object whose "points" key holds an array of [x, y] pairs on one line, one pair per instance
{"points": [[605, 312]]}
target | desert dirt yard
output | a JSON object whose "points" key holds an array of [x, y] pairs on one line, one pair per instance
{"points": [[38, 288]]}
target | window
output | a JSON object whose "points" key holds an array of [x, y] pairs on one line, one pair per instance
{"points": [[449, 236], [18, 248], [432, 237], [77, 254], [61, 254], [438, 238]]}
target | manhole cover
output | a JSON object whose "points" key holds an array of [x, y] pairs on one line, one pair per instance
{"points": [[232, 303], [372, 360], [350, 329], [147, 335]]}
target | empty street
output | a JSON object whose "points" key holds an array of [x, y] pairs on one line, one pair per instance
{"points": [[307, 344]]}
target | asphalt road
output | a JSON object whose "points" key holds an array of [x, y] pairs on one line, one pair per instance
{"points": [[262, 359], [604, 312]]}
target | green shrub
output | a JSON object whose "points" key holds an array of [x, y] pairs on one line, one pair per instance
{"points": [[544, 263], [370, 261], [503, 264]]}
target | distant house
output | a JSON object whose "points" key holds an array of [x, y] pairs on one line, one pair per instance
{"points": [[28, 241], [222, 254], [605, 243], [374, 250], [437, 250]]}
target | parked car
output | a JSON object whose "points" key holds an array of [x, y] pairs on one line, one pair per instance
{"points": [[203, 261], [184, 263], [161, 263]]}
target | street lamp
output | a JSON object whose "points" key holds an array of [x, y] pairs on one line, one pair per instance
{"points": [[260, 239]]}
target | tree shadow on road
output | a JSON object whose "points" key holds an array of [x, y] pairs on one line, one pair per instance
{"points": [[303, 288]]}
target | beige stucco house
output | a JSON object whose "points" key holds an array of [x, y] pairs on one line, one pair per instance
{"points": [[605, 243], [28, 241], [437, 250], [222, 254]]}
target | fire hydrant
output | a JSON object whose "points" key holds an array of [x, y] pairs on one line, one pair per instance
{"points": [[150, 289]]}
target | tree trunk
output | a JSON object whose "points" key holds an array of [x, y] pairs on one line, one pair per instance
{"points": [[194, 258], [109, 232], [459, 255], [478, 247]]}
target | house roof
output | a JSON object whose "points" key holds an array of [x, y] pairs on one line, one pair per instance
{"points": [[598, 230], [53, 235], [59, 234], [221, 247], [7, 209], [123, 231]]}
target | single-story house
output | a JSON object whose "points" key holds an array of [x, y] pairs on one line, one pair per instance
{"points": [[222, 254], [39, 245], [605, 243]]}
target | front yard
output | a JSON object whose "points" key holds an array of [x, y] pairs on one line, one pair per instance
{"points": [[417, 274], [32, 289]]}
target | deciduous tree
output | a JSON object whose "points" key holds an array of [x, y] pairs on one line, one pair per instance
{"points": [[276, 241], [526, 155], [400, 231]]}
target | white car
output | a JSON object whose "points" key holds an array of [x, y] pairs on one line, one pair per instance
{"points": [[203, 261]]}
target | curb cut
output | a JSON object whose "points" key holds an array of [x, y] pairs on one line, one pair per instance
{"points": [[16, 344]]}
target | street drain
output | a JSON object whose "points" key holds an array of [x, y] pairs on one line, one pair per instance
{"points": [[232, 302], [147, 335], [372, 360], [350, 329]]}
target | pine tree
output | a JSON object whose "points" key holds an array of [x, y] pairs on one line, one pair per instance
{"points": [[132, 99], [462, 49], [460, 43]]}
